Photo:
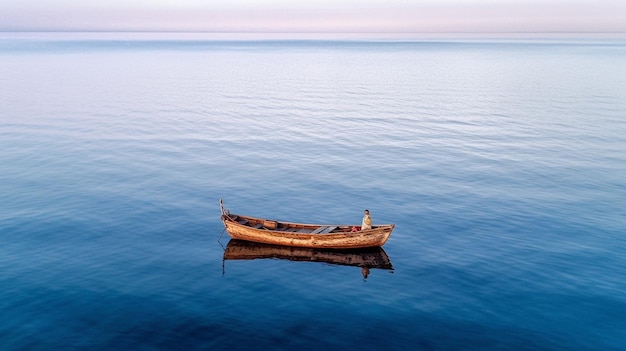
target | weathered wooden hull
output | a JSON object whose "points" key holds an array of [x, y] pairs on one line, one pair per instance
{"points": [[368, 258], [375, 237], [303, 235]]}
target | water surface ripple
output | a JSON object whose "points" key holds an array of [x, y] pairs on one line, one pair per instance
{"points": [[502, 165]]}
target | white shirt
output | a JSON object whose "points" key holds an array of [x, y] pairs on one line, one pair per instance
{"points": [[366, 223]]}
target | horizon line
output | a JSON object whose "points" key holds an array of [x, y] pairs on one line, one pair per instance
{"points": [[306, 32]]}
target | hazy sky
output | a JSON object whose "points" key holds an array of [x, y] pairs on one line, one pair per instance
{"points": [[315, 15]]}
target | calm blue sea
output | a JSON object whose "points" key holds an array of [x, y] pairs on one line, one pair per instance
{"points": [[501, 162]]}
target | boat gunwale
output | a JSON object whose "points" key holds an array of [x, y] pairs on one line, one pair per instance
{"points": [[298, 225]]}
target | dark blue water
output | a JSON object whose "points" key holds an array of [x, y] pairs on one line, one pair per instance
{"points": [[502, 164]]}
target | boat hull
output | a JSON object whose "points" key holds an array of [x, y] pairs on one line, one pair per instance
{"points": [[374, 237]]}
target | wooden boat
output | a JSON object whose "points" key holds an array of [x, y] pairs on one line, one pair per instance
{"points": [[303, 235], [372, 257]]}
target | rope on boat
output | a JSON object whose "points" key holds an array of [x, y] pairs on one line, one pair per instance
{"points": [[220, 238], [225, 213]]}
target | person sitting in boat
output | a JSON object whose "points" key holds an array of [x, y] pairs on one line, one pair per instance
{"points": [[367, 221]]}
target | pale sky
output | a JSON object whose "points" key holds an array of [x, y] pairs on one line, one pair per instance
{"points": [[377, 16]]}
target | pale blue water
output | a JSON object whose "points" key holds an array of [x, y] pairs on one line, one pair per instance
{"points": [[502, 164]]}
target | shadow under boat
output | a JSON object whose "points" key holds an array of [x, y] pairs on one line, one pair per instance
{"points": [[368, 258]]}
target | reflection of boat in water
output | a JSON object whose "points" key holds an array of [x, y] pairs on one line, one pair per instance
{"points": [[367, 258]]}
